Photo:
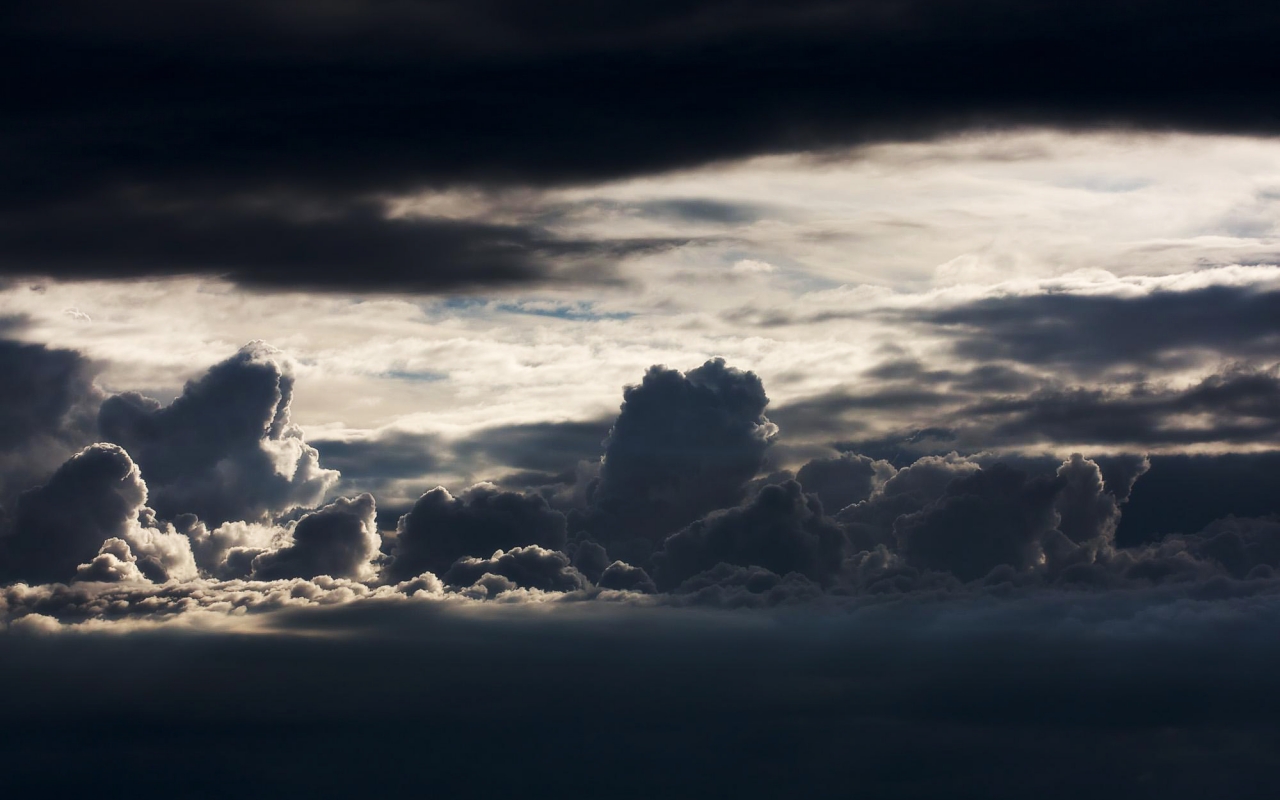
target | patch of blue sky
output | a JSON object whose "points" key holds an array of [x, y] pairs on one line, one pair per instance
{"points": [[416, 376], [581, 311]]}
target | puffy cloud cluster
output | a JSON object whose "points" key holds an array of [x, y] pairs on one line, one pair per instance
{"points": [[441, 528], [529, 567], [843, 480], [214, 471], [678, 511], [225, 449], [993, 517], [781, 529], [96, 496], [340, 540]]}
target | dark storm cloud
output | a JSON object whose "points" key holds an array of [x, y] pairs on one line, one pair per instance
{"points": [[683, 444], [58, 526], [225, 449], [392, 94], [991, 518], [1091, 333], [332, 104], [781, 529], [340, 540], [441, 528], [300, 241], [48, 405], [842, 480]]}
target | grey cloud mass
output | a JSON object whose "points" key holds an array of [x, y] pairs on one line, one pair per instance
{"points": [[513, 513]]}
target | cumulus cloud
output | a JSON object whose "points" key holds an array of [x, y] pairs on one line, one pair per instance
{"points": [[684, 444], [1086, 512], [530, 567], [991, 518], [94, 496], [115, 562], [441, 528], [843, 480], [625, 577], [782, 529], [48, 403], [225, 449], [340, 540]]}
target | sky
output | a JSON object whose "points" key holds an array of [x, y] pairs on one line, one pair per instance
{"points": [[696, 398]]}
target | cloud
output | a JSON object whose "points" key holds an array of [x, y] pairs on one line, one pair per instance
{"points": [[991, 518], [842, 480], [48, 403], [377, 464], [96, 497], [683, 444], [288, 242], [781, 529], [1086, 512], [540, 446], [1240, 405], [93, 497], [340, 540], [441, 528], [225, 449], [530, 567], [1099, 332], [115, 562], [1183, 493], [866, 75], [624, 577], [1231, 407], [398, 99]]}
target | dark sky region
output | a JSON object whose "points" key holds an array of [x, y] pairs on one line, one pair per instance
{"points": [[829, 398]]}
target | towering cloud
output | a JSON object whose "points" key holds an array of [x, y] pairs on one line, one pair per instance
{"points": [[47, 408], [93, 497], [92, 507], [224, 450], [684, 444]]}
